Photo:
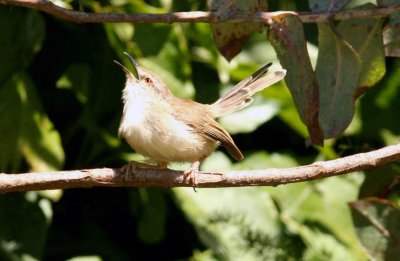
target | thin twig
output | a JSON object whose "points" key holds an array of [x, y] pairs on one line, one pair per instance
{"points": [[170, 178], [193, 17]]}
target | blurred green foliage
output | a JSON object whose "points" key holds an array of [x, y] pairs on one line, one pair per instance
{"points": [[60, 108]]}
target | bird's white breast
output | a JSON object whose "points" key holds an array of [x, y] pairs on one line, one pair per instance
{"points": [[150, 128]]}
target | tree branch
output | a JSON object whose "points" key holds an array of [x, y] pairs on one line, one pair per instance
{"points": [[170, 178], [198, 16]]}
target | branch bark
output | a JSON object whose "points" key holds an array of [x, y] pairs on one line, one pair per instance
{"points": [[193, 17], [107, 177]]}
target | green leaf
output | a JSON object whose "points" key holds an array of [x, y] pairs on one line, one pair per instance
{"points": [[144, 37], [41, 143], [77, 79], [151, 209], [231, 37], [263, 160], [22, 34], [327, 5], [235, 223], [287, 37], [23, 226], [318, 213], [287, 113], [27, 128], [378, 181], [377, 223], [85, 258], [10, 127], [312, 216], [256, 114], [379, 107], [217, 161], [240, 223], [338, 72], [365, 37], [322, 245], [351, 58]]}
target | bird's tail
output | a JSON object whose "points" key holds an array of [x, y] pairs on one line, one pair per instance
{"points": [[240, 96]]}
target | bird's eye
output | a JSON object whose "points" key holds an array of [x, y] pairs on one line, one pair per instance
{"points": [[147, 80]]}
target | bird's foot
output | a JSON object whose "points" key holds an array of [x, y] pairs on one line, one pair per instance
{"points": [[192, 174], [129, 169]]}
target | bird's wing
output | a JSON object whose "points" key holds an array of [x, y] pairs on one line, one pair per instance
{"points": [[205, 125]]}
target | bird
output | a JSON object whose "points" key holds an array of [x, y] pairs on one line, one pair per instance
{"points": [[165, 128]]}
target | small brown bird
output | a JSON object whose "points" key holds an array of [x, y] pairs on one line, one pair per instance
{"points": [[167, 129]]}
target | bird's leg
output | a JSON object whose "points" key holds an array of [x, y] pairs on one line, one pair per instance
{"points": [[192, 173], [194, 170]]}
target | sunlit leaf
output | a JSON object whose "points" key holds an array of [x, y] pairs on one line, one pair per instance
{"points": [[217, 161], [144, 38], [41, 143], [85, 258], [317, 210], [321, 245], [377, 223], [31, 132], [287, 37], [263, 160], [255, 115], [379, 106], [389, 137], [237, 223], [10, 127], [124, 31], [77, 79], [203, 47]]}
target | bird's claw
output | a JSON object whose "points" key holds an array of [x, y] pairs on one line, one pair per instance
{"points": [[192, 174], [129, 169]]}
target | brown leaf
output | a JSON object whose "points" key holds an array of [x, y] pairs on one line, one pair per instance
{"points": [[230, 37]]}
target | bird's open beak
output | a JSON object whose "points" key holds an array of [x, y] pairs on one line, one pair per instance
{"points": [[135, 65], [129, 74]]}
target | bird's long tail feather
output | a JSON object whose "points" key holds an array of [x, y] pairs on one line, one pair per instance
{"points": [[240, 96]]}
